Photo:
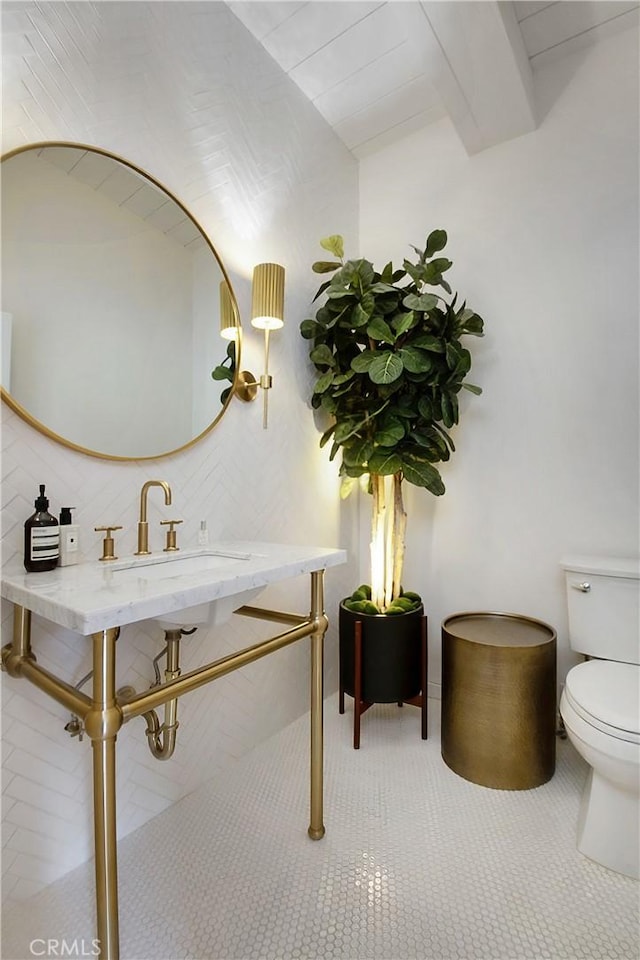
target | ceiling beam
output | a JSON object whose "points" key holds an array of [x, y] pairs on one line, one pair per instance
{"points": [[474, 56]]}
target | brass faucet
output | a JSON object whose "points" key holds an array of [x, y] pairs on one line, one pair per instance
{"points": [[143, 526]]}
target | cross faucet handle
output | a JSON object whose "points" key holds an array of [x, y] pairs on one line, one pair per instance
{"points": [[108, 543], [171, 534]]}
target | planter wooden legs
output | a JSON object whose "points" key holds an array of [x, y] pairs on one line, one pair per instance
{"points": [[360, 706]]}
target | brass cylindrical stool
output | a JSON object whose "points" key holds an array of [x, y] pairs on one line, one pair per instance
{"points": [[499, 699]]}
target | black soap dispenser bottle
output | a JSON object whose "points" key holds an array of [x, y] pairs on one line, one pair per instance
{"points": [[41, 537]]}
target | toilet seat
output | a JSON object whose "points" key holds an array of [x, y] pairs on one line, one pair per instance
{"points": [[606, 694]]}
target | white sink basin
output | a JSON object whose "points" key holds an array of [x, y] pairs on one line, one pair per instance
{"points": [[174, 566], [162, 566]]}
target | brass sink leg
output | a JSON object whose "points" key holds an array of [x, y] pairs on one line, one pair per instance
{"points": [[316, 825], [102, 723]]}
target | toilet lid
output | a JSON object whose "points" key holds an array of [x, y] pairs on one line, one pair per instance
{"points": [[606, 694]]}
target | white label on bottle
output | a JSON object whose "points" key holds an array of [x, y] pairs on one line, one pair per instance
{"points": [[45, 543]]}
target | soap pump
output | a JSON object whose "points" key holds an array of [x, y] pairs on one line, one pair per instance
{"points": [[41, 537], [69, 539]]}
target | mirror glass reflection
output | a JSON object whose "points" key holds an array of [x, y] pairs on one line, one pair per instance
{"points": [[111, 298]]}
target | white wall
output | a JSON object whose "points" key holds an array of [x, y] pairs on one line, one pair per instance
{"points": [[543, 232], [183, 91]]}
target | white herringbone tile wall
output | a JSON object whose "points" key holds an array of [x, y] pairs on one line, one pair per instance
{"points": [[184, 91]]}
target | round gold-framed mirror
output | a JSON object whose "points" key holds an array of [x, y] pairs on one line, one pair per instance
{"points": [[113, 303]]}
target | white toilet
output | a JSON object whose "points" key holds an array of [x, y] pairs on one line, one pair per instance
{"points": [[600, 706]]}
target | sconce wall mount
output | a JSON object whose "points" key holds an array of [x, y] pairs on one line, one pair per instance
{"points": [[267, 313]]}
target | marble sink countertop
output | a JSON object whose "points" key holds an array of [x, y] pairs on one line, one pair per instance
{"points": [[94, 596]]}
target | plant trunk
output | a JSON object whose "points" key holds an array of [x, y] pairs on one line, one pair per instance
{"points": [[389, 549], [399, 529], [377, 546], [388, 527]]}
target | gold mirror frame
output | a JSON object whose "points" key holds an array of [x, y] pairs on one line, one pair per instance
{"points": [[235, 385]]}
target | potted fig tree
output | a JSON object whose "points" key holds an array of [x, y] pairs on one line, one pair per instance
{"points": [[387, 348]]}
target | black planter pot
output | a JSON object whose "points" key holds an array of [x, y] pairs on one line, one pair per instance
{"points": [[391, 655]]}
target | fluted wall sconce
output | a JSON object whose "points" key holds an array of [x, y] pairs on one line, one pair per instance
{"points": [[267, 313]]}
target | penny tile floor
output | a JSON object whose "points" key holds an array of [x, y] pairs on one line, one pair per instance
{"points": [[417, 863]]}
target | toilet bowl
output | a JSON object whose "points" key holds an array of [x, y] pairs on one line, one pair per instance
{"points": [[600, 707], [600, 710]]}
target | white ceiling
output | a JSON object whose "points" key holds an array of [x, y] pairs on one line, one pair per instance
{"points": [[379, 70]]}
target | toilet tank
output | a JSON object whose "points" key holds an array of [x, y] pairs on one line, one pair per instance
{"points": [[603, 596]]}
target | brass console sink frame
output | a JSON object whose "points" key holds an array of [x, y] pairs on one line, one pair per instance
{"points": [[104, 713]]}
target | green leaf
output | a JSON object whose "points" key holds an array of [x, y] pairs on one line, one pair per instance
{"points": [[426, 437], [415, 270], [445, 435], [378, 329], [439, 265], [357, 453], [423, 301], [415, 360], [334, 244], [433, 271], [323, 382], [436, 241], [425, 408], [385, 463], [222, 373], [322, 356], [321, 289], [473, 325], [311, 328], [363, 361], [325, 266], [472, 388], [386, 367], [463, 365], [404, 321], [423, 474], [326, 436], [390, 431], [358, 272], [365, 589], [381, 287], [338, 292], [349, 427], [428, 342], [347, 486], [341, 378], [449, 405], [359, 316], [452, 356]]}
